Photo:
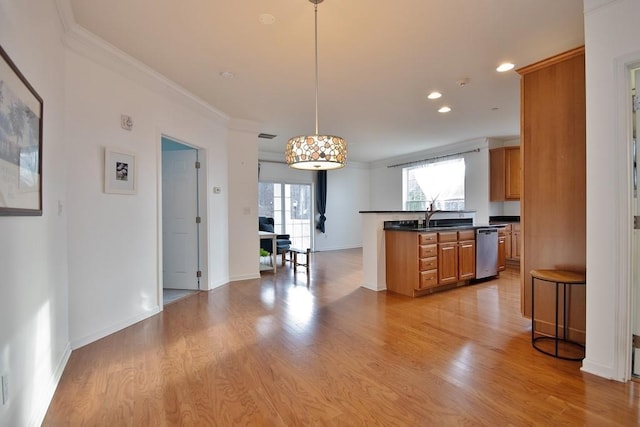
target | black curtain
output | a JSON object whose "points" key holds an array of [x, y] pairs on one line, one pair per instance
{"points": [[321, 199]]}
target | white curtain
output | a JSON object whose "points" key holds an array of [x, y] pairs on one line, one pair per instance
{"points": [[443, 180]]}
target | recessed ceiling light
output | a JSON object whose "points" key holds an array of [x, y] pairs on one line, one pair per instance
{"points": [[227, 74], [444, 109], [506, 66], [266, 19], [434, 95]]}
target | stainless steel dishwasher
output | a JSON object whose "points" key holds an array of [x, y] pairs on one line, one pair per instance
{"points": [[486, 252]]}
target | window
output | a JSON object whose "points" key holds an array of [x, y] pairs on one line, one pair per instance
{"points": [[440, 183], [290, 206]]}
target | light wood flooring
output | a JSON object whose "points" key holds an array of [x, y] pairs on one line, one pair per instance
{"points": [[292, 350]]}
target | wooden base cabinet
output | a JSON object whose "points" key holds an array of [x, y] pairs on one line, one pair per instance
{"points": [[428, 262], [417, 263], [456, 256], [502, 249], [466, 255], [515, 241], [411, 262], [447, 258]]}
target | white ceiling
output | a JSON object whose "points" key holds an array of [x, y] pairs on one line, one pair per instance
{"points": [[378, 60]]}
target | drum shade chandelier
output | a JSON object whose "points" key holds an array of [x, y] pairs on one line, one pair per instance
{"points": [[316, 152]]}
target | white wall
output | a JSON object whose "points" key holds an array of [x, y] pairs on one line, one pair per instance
{"points": [[33, 250], [386, 187], [243, 201], [347, 195], [612, 40], [114, 252], [386, 183]]}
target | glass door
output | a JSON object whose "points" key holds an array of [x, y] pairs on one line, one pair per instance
{"points": [[291, 207]]}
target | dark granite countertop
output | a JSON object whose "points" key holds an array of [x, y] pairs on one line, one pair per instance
{"points": [[504, 218], [436, 225], [417, 212]]}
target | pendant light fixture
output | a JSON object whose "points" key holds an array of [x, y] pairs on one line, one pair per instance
{"points": [[316, 152]]}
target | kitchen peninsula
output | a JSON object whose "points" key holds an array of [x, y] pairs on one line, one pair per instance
{"points": [[373, 240]]}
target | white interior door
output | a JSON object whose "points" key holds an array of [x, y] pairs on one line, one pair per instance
{"points": [[179, 212]]}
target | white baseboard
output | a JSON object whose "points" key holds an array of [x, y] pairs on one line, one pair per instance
{"points": [[81, 342], [49, 389], [244, 277], [600, 370]]}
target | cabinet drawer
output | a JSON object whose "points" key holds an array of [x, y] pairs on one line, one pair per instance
{"points": [[428, 279], [427, 239], [448, 236], [466, 235], [427, 251], [428, 264]]}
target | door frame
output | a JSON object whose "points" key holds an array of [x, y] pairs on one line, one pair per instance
{"points": [[626, 290], [634, 315], [203, 230]]}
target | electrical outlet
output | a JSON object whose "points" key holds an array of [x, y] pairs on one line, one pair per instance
{"points": [[5, 389]]}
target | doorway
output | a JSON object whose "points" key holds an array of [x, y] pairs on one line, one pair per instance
{"points": [[181, 271], [291, 207]]}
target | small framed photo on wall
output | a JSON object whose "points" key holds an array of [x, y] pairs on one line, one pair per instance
{"points": [[119, 171]]}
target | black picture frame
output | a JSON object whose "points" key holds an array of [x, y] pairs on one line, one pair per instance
{"points": [[21, 116]]}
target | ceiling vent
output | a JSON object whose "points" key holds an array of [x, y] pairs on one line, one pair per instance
{"points": [[266, 135]]}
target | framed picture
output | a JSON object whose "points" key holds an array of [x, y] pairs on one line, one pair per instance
{"points": [[119, 172], [20, 142]]}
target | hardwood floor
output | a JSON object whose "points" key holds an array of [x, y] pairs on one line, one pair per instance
{"points": [[292, 350]]}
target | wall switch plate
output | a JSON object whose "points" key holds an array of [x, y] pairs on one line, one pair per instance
{"points": [[125, 122]]}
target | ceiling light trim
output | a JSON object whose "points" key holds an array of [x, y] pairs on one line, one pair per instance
{"points": [[505, 66]]}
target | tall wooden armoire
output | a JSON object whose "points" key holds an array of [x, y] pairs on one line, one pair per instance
{"points": [[553, 200]]}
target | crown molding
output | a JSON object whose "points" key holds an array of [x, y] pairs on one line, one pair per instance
{"points": [[242, 125], [88, 45], [592, 5]]}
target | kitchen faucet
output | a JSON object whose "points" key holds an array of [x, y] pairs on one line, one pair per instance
{"points": [[428, 214]]}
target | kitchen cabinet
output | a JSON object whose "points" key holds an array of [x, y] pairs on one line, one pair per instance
{"points": [[411, 262], [507, 241], [466, 255], [428, 262], [456, 256], [447, 263], [502, 249], [421, 262], [553, 146], [504, 171], [514, 244]]}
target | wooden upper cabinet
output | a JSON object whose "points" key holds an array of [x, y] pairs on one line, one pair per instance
{"points": [[512, 173], [504, 170]]}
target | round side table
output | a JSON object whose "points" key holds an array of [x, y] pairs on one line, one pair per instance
{"points": [[564, 279]]}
